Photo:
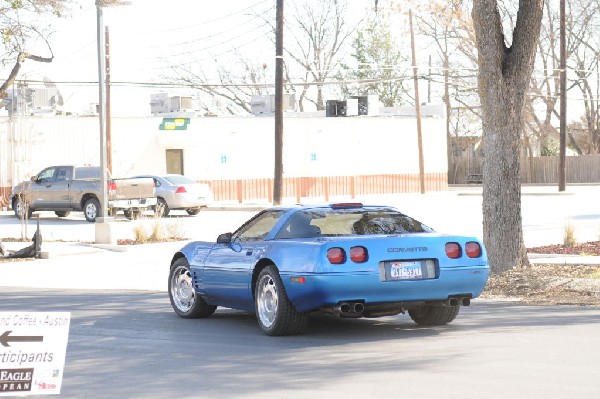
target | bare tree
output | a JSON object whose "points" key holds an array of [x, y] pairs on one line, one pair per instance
{"points": [[315, 37], [585, 55], [504, 74], [236, 83], [22, 22], [378, 66]]}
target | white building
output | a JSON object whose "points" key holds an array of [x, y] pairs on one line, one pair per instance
{"points": [[322, 156]]}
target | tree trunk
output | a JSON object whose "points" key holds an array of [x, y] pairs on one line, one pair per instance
{"points": [[504, 74]]}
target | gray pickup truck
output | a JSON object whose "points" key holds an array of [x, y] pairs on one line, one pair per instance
{"points": [[67, 188]]}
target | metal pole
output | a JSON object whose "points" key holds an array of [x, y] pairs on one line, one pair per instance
{"points": [[278, 173], [562, 172], [417, 106], [103, 182], [108, 116]]}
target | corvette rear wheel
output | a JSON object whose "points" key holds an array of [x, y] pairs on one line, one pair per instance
{"points": [[185, 301], [275, 313], [434, 315]]}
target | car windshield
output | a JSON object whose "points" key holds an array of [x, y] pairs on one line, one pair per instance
{"points": [[341, 222], [178, 179]]}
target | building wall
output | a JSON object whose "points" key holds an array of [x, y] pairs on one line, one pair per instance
{"points": [[229, 148]]}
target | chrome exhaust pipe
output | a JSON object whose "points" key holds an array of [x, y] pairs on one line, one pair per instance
{"points": [[466, 301], [452, 302], [359, 307], [343, 307]]}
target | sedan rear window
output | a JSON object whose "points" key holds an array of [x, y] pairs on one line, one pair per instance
{"points": [[177, 180]]}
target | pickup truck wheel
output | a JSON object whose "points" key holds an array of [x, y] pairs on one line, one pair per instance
{"points": [[91, 209], [193, 211], [184, 299], [132, 214], [275, 313], [62, 214], [19, 206], [161, 209]]}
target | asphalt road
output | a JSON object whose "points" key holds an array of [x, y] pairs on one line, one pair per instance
{"points": [[125, 344], [125, 341]]}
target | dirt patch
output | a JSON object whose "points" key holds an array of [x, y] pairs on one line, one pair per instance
{"points": [[584, 248], [548, 284]]}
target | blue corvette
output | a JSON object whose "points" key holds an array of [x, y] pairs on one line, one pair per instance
{"points": [[347, 259]]}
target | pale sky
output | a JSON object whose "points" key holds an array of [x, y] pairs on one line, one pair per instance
{"points": [[148, 36]]}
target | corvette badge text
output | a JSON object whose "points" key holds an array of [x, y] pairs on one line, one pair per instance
{"points": [[408, 249]]}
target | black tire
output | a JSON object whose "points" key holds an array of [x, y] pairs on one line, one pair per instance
{"points": [[91, 209], [275, 313], [434, 315], [18, 206], [62, 214], [184, 299], [132, 214], [161, 209], [193, 211]]}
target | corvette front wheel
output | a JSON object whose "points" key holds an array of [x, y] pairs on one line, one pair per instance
{"points": [[185, 301], [275, 313]]}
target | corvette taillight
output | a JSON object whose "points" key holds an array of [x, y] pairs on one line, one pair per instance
{"points": [[180, 190], [453, 250], [473, 249], [358, 254], [336, 255]]}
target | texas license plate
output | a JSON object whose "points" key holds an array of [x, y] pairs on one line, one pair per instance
{"points": [[405, 270]]}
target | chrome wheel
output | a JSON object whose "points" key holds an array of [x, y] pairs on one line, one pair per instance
{"points": [[267, 300], [182, 290], [91, 209]]}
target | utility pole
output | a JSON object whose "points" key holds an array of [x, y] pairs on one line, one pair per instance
{"points": [[108, 116], [562, 172], [417, 105], [101, 108], [278, 175]]}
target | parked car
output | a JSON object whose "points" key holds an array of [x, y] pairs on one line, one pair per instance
{"points": [[179, 192], [67, 188], [348, 260]]}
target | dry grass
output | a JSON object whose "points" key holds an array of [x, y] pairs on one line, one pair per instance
{"points": [[569, 235], [160, 230]]}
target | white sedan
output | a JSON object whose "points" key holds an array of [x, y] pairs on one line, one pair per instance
{"points": [[179, 192]]}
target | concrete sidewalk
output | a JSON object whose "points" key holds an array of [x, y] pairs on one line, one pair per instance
{"points": [[73, 265]]}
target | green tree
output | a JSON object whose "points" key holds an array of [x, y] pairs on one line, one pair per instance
{"points": [[21, 24], [505, 68], [378, 66]]}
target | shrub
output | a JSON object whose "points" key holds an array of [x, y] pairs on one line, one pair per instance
{"points": [[569, 236], [140, 234]]}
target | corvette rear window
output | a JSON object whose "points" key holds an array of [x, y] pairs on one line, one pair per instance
{"points": [[336, 222]]}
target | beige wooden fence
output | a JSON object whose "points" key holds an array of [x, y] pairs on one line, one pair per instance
{"points": [[537, 170]]}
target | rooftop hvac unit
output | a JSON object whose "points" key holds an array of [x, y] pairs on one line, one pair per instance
{"points": [[162, 103], [265, 104], [159, 103], [180, 103]]}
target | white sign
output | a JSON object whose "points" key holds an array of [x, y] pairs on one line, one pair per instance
{"points": [[33, 346]]}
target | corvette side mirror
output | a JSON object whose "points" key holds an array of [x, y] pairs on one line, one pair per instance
{"points": [[224, 238]]}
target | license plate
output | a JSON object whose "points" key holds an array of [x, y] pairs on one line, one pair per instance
{"points": [[406, 270]]}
